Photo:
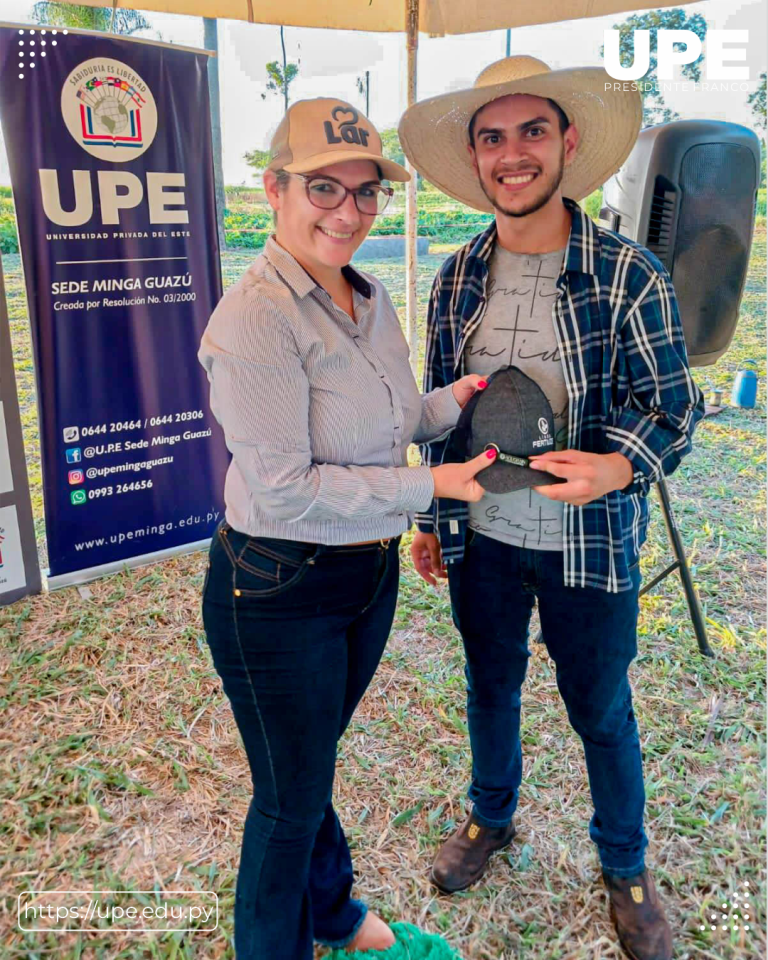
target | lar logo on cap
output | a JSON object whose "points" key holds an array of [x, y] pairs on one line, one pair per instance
{"points": [[325, 130], [348, 131], [513, 416]]}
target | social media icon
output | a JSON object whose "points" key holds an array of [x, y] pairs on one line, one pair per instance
{"points": [[71, 434], [76, 476], [77, 496], [74, 455]]}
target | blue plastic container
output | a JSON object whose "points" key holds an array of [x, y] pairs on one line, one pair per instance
{"points": [[744, 392]]}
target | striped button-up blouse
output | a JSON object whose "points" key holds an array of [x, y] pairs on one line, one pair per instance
{"points": [[318, 410]]}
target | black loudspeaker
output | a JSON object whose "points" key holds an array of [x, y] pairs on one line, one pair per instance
{"points": [[687, 192]]}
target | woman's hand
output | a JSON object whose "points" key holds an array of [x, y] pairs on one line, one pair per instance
{"points": [[464, 389], [457, 480]]}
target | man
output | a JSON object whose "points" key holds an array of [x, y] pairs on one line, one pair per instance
{"points": [[592, 318]]}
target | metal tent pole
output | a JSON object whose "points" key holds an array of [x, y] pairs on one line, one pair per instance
{"points": [[18, 547], [411, 212]]}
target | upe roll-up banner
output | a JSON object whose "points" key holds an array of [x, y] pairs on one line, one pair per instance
{"points": [[109, 147]]}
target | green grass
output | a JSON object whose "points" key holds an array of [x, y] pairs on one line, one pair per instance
{"points": [[121, 767], [248, 218]]}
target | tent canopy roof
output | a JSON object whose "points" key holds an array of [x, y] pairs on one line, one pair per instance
{"points": [[436, 17]]}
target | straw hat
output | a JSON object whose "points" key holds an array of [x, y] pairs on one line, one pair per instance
{"points": [[435, 132], [314, 133]]}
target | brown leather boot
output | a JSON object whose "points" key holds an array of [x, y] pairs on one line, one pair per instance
{"points": [[638, 915], [464, 856]]}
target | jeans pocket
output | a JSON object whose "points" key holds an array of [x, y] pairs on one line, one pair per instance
{"points": [[265, 566], [288, 553]]}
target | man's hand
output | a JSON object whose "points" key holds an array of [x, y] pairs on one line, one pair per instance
{"points": [[588, 475], [464, 388], [427, 558]]}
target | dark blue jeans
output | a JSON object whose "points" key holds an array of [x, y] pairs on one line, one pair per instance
{"points": [[296, 631], [591, 636]]}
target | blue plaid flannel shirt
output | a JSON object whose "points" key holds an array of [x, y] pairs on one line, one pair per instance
{"points": [[626, 370]]}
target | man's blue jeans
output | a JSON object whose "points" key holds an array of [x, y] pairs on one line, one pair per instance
{"points": [[591, 636], [296, 631]]}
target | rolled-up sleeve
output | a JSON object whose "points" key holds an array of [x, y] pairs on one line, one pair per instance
{"points": [[260, 396], [432, 448], [439, 413], [439, 409], [655, 431]]}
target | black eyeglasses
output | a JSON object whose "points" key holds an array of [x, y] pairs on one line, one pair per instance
{"points": [[328, 194]]}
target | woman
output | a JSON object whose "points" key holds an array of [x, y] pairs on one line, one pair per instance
{"points": [[311, 383]]}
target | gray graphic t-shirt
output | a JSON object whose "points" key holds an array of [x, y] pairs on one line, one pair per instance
{"points": [[517, 330]]}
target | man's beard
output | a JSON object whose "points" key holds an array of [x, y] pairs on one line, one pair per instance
{"points": [[535, 204]]}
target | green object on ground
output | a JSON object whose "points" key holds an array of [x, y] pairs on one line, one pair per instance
{"points": [[410, 944]]}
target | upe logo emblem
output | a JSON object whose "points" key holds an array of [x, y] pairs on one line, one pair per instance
{"points": [[109, 110], [543, 426], [349, 132]]}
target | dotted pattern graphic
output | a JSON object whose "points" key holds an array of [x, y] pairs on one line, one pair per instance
{"points": [[32, 44], [739, 916]]}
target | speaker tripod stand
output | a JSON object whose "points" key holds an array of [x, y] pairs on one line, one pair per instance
{"points": [[680, 564]]}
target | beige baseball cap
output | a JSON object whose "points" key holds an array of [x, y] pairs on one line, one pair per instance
{"points": [[314, 133]]}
